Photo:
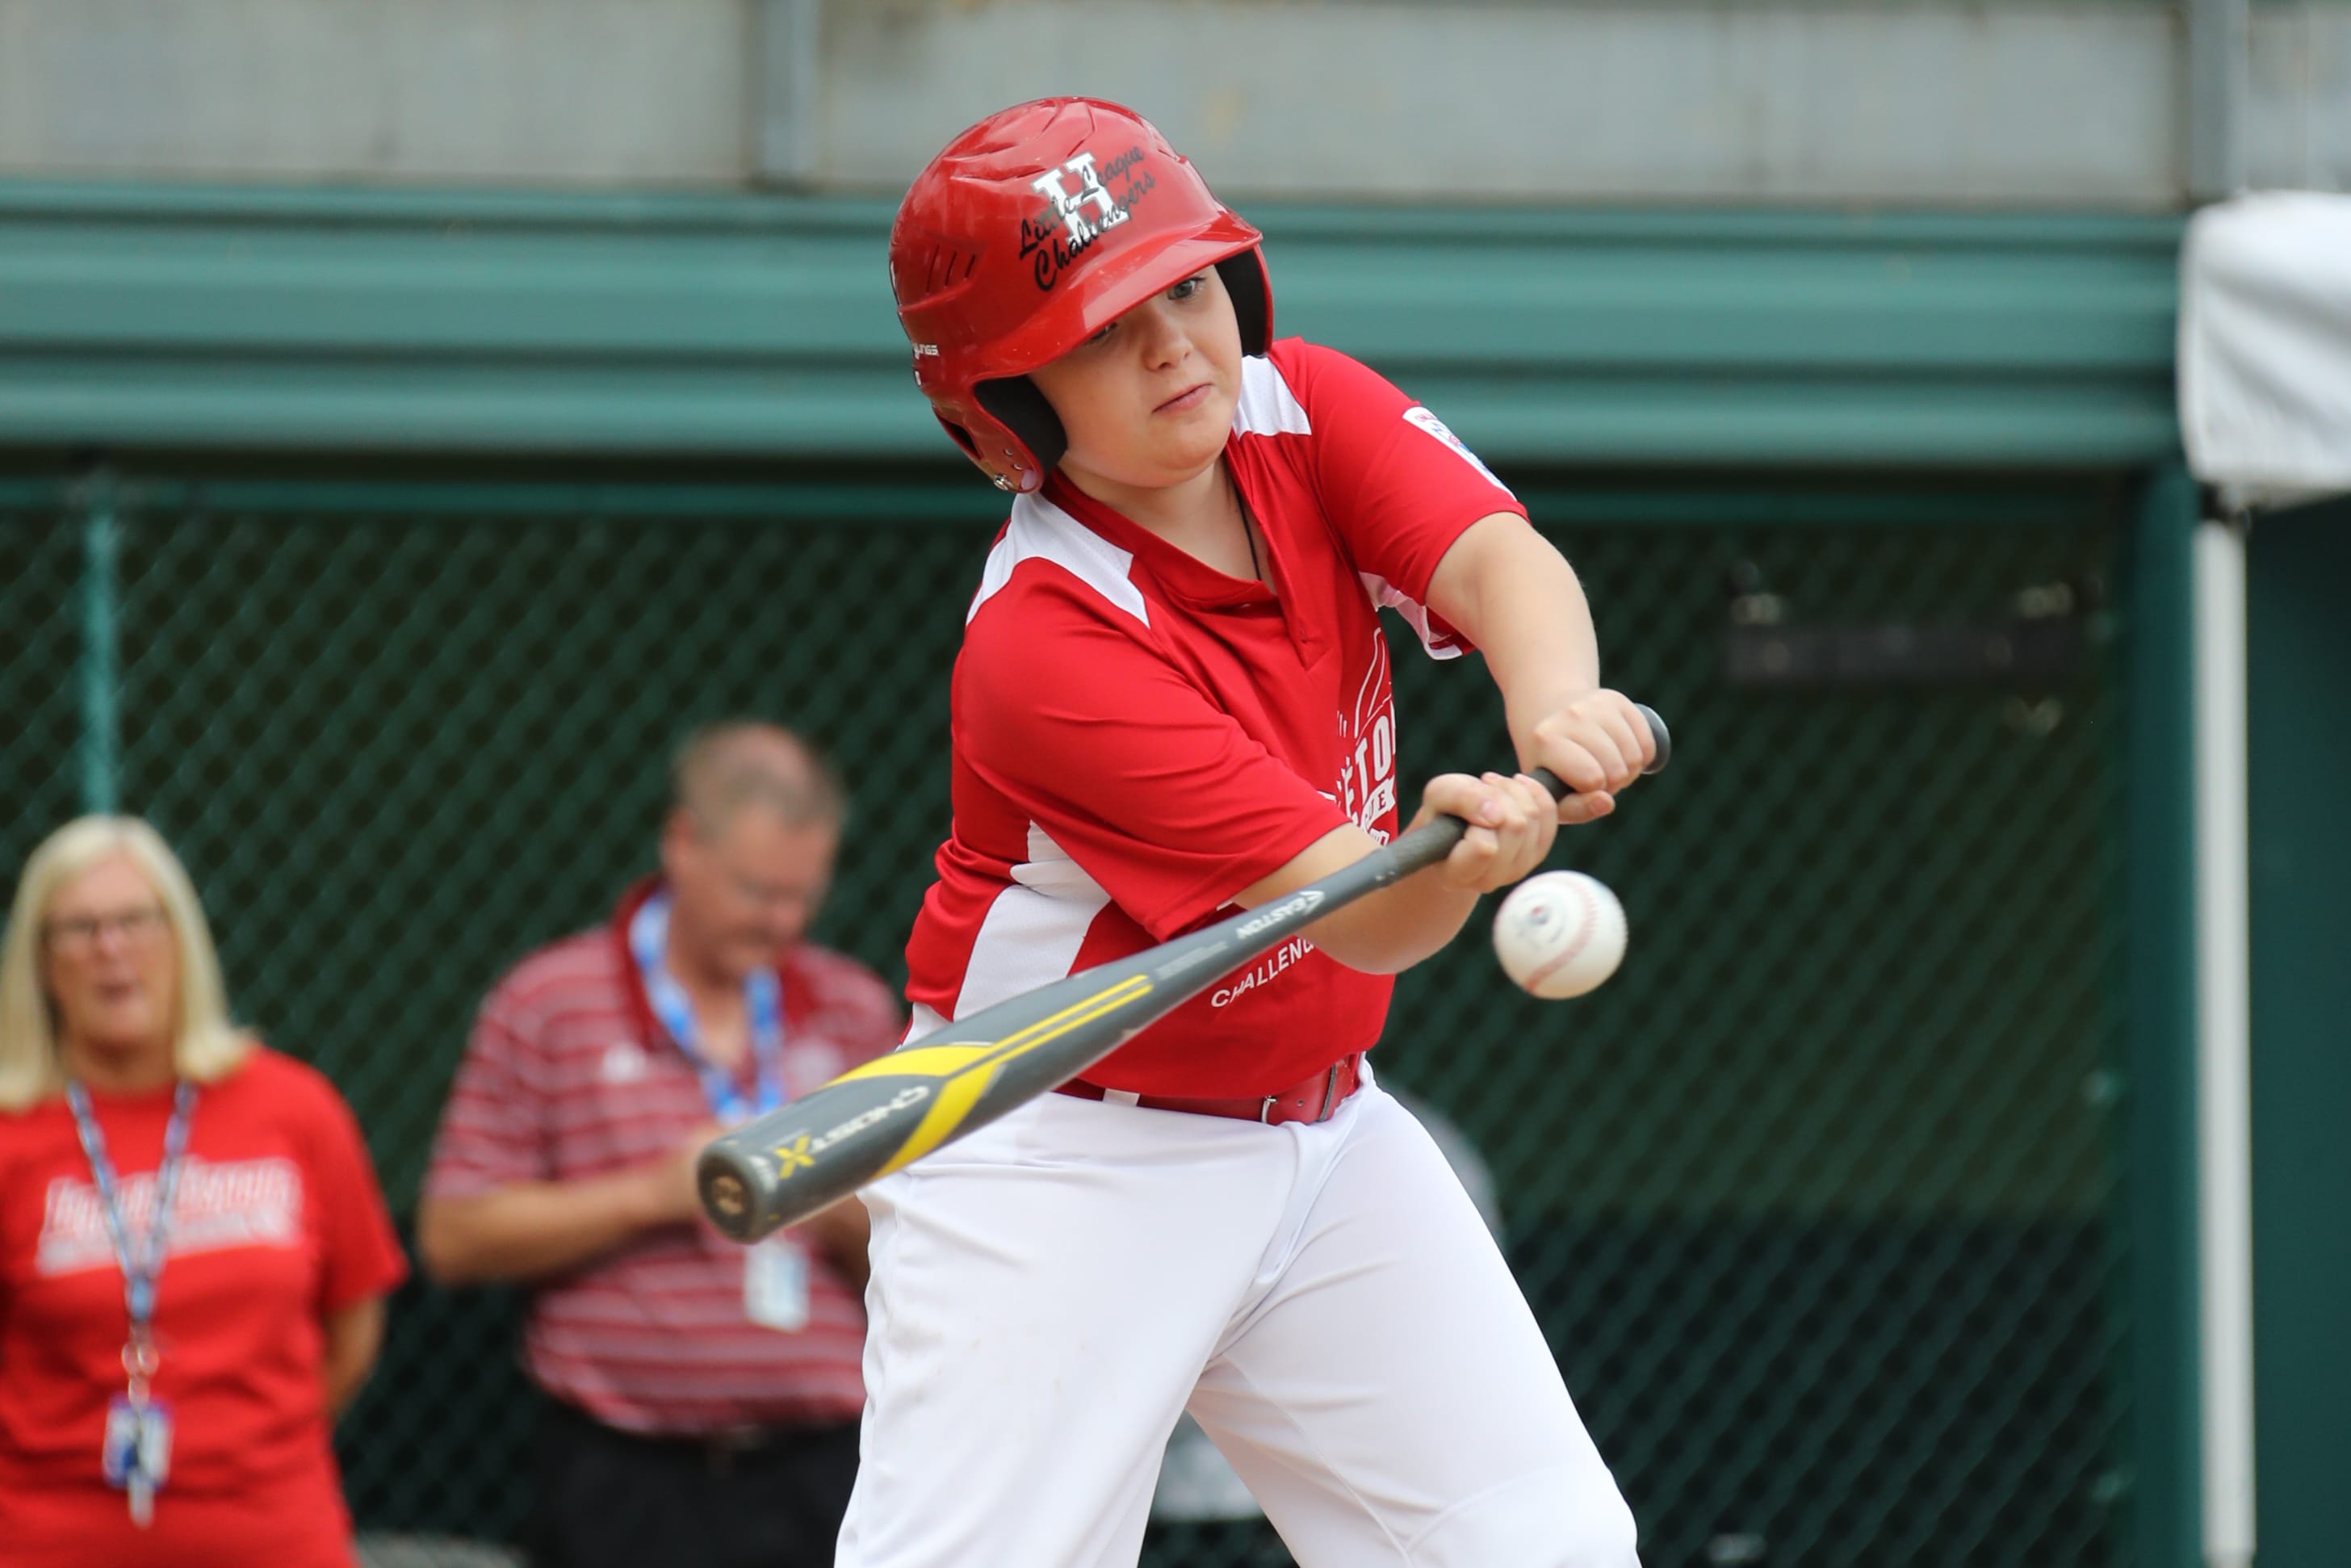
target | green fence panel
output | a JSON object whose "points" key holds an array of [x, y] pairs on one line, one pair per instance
{"points": [[1818, 1201], [398, 752], [1810, 1197], [42, 658]]}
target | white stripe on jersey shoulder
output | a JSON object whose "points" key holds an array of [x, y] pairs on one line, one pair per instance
{"points": [[1268, 406], [1422, 420], [1033, 929], [1416, 615], [1043, 531]]}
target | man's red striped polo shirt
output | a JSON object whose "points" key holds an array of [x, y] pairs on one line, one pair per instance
{"points": [[566, 1077]]}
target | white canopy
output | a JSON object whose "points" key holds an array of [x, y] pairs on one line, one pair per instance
{"points": [[2265, 346]]}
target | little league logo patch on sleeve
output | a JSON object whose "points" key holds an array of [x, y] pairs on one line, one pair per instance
{"points": [[1417, 415]]}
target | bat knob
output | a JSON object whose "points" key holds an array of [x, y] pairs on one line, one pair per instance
{"points": [[726, 1195], [1658, 733]]}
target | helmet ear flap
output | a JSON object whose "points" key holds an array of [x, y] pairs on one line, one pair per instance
{"points": [[1243, 274], [962, 437], [1015, 403]]}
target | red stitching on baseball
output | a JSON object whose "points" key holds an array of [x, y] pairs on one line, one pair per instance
{"points": [[1548, 966]]}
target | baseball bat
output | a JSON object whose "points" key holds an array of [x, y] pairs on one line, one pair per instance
{"points": [[872, 1120]]}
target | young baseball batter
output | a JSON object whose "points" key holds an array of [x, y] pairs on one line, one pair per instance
{"points": [[1173, 698]]}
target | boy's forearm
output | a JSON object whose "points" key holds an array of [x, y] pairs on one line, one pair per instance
{"points": [[1515, 596], [1384, 933], [1397, 926]]}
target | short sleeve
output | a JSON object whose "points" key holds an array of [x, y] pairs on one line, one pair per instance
{"points": [[1157, 794], [1397, 485], [360, 1255], [491, 1129]]}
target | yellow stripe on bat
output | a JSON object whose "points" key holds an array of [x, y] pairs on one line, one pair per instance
{"points": [[953, 1103], [961, 1056], [956, 1064], [937, 1061], [919, 1061]]}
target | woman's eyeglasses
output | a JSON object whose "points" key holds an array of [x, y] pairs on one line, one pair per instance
{"points": [[82, 931]]}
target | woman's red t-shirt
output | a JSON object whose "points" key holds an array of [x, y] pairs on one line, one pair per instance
{"points": [[278, 1222]]}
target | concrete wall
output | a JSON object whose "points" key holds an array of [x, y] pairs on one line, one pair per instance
{"points": [[2298, 119], [2059, 103], [1677, 103], [531, 91]]}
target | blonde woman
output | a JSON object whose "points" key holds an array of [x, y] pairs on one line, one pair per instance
{"points": [[193, 1249]]}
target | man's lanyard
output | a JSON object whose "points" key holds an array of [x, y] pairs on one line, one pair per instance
{"points": [[140, 1269], [764, 994]]}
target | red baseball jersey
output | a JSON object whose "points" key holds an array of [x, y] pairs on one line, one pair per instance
{"points": [[277, 1223], [1138, 736]]}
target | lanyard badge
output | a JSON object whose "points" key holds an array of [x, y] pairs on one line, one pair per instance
{"points": [[136, 1454]]}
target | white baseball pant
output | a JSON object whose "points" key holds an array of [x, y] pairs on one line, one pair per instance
{"points": [[1050, 1291]]}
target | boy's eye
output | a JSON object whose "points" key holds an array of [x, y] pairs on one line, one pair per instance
{"points": [[1185, 289], [1104, 333]]}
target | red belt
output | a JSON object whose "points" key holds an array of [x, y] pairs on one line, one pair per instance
{"points": [[1315, 1099]]}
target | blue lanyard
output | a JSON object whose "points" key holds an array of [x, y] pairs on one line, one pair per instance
{"points": [[648, 933], [140, 1270]]}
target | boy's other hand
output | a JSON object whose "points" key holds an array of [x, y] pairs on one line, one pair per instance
{"points": [[1511, 826], [1598, 745]]}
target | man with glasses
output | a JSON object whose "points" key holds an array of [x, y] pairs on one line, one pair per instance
{"points": [[705, 1397]]}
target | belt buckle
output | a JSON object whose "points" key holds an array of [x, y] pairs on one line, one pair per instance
{"points": [[1321, 1112]]}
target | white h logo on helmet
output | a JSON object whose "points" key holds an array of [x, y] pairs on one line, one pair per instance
{"points": [[1072, 206]]}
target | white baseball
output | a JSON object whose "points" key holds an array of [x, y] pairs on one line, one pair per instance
{"points": [[1560, 934]]}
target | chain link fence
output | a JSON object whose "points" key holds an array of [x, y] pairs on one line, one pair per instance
{"points": [[1818, 1200]]}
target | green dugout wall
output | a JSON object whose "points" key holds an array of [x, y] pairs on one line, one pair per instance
{"points": [[377, 546], [749, 327]]}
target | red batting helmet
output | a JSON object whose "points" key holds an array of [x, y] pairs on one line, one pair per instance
{"points": [[1030, 233]]}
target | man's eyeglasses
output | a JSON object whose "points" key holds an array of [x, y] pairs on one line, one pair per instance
{"points": [[82, 931]]}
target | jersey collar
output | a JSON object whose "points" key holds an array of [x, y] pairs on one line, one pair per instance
{"points": [[633, 979], [1182, 577]]}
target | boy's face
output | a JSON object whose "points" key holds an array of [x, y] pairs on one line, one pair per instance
{"points": [[1148, 400]]}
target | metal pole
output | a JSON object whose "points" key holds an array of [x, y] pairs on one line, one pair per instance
{"points": [[2223, 1050], [101, 689], [2217, 78], [787, 39], [2166, 1502]]}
